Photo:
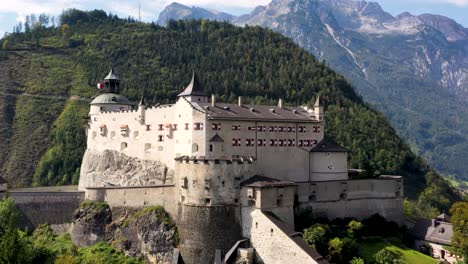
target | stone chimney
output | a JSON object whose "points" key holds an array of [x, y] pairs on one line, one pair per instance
{"points": [[213, 100], [240, 101], [280, 103]]}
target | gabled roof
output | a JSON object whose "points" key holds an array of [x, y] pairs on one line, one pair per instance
{"points": [[265, 182], [194, 88], [444, 217], [216, 138], [2, 180], [112, 75], [434, 231], [273, 113], [328, 145]]}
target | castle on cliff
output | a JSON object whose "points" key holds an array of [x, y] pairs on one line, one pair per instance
{"points": [[227, 173]]}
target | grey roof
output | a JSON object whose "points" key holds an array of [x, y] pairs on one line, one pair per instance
{"points": [[328, 145], [265, 182], [111, 98], [441, 233], [194, 88], [112, 75], [216, 138], [444, 217], [2, 180], [223, 111], [295, 237]]}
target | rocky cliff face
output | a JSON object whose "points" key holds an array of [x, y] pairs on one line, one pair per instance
{"points": [[412, 68], [112, 168], [178, 11], [147, 233]]}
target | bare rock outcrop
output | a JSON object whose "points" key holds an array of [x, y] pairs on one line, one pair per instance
{"points": [[111, 169], [148, 233]]}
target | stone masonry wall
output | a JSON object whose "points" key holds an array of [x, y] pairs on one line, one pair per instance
{"points": [[46, 207], [204, 229], [271, 243]]}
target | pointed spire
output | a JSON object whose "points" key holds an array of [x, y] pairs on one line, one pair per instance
{"points": [[142, 101], [194, 88], [112, 75], [317, 102]]}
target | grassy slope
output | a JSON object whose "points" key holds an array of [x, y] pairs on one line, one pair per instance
{"points": [[368, 248]]}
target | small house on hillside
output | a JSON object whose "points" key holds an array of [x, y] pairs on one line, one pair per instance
{"points": [[3, 184], [435, 236]]}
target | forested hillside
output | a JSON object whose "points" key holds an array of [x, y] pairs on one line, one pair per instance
{"points": [[48, 74]]}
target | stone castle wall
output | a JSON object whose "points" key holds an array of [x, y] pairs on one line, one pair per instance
{"points": [[272, 241], [203, 229], [354, 198], [212, 182], [136, 197], [52, 208]]}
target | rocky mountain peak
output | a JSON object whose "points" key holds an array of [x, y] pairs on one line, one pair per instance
{"points": [[179, 11], [449, 27]]}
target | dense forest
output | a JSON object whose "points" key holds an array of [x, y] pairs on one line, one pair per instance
{"points": [[48, 75]]}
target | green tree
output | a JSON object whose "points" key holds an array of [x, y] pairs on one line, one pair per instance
{"points": [[12, 247], [459, 213], [386, 256], [317, 237], [353, 228], [357, 260]]}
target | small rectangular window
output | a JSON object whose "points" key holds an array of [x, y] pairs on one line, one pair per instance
{"points": [[198, 126], [174, 127], [301, 143], [236, 127], [271, 129], [316, 129], [148, 127], [260, 142], [216, 126], [160, 138], [160, 127], [186, 126], [280, 143], [272, 142], [280, 129]]}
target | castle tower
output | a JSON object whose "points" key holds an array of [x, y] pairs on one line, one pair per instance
{"points": [[110, 100], [141, 110], [318, 110], [112, 82], [194, 91]]}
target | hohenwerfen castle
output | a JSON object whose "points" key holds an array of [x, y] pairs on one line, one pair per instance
{"points": [[227, 172]]}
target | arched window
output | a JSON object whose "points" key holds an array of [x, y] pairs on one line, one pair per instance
{"points": [[194, 147], [123, 146]]}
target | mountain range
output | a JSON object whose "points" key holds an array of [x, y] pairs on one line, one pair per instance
{"points": [[413, 68]]}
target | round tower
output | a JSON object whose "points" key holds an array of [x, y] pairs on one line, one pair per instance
{"points": [[110, 99]]}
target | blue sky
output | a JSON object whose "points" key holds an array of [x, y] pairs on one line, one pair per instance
{"points": [[13, 11]]}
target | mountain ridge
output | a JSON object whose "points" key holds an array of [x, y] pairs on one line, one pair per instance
{"points": [[413, 68]]}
